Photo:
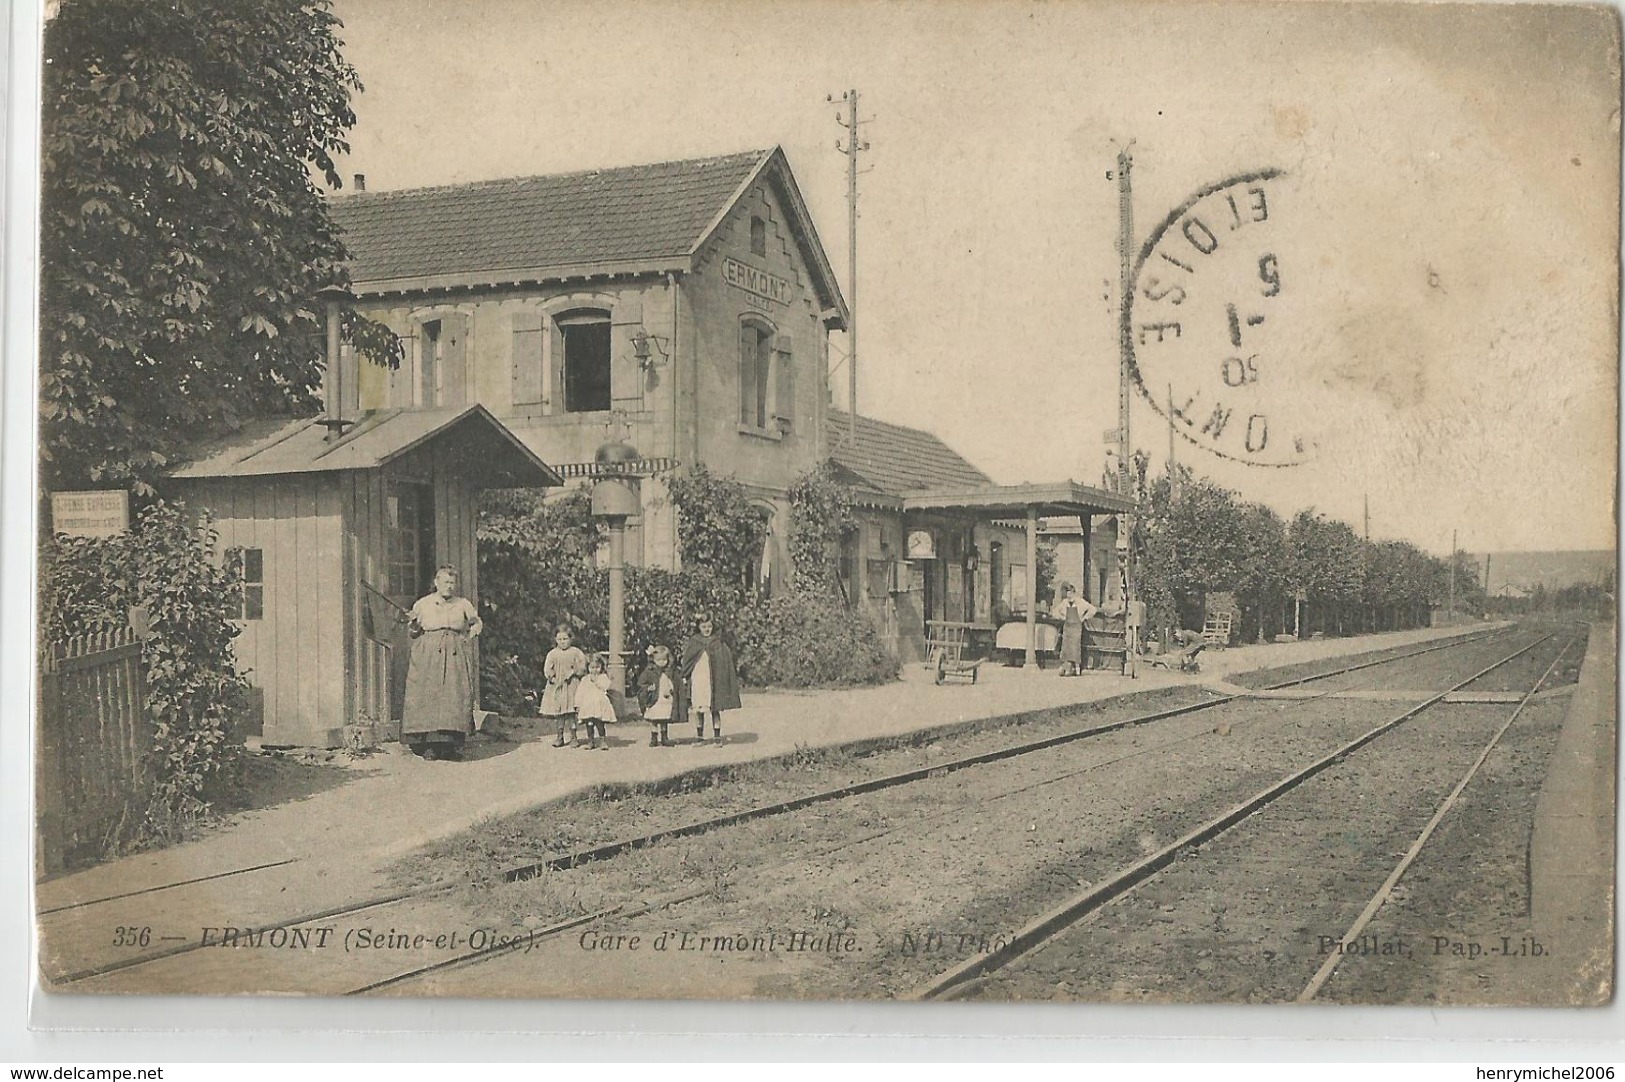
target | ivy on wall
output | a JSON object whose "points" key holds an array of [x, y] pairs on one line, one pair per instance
{"points": [[821, 517], [719, 531]]}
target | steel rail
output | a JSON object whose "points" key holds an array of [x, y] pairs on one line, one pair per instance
{"points": [[613, 849], [636, 908], [1384, 892], [1063, 916], [616, 848], [164, 886]]}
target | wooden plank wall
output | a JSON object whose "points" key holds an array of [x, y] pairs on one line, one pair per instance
{"points": [[295, 653]]}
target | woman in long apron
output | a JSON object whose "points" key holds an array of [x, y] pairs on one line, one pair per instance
{"points": [[439, 710], [1072, 611]]}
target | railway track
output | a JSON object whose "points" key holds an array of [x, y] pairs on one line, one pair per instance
{"points": [[623, 846], [951, 811], [1086, 904]]}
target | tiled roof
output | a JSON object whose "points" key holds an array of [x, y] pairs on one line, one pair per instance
{"points": [[640, 214], [894, 459]]}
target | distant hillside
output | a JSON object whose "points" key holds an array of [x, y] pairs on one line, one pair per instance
{"points": [[1554, 570]]}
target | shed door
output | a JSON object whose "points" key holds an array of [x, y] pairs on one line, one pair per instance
{"points": [[409, 541]]}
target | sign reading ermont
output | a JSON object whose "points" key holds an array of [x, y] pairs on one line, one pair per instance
{"points": [[90, 514], [756, 282]]}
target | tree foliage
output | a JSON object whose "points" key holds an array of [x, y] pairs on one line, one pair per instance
{"points": [[809, 640], [1196, 538], [183, 237], [165, 564]]}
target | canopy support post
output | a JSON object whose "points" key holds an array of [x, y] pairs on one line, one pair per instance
{"points": [[1032, 587]]}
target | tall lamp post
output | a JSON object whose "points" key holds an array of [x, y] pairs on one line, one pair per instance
{"points": [[613, 501]]}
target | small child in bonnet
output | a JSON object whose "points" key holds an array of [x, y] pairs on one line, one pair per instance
{"points": [[658, 695]]}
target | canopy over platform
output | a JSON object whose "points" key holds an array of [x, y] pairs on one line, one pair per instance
{"points": [[1019, 501], [495, 457]]}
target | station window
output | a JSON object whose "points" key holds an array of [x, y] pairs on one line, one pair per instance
{"points": [[253, 607], [409, 526], [758, 237], [584, 338], [755, 373]]}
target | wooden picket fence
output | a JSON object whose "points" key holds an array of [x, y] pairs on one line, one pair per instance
{"points": [[93, 775]]}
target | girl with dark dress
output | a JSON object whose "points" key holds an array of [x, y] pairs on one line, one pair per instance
{"points": [[660, 696], [710, 680], [439, 711]]}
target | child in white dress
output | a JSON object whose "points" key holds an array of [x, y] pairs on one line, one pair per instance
{"points": [[563, 669], [593, 706]]}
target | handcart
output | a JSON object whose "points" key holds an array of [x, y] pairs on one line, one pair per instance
{"points": [[946, 643]]}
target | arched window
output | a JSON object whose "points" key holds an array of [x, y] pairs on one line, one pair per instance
{"points": [[583, 337], [755, 373]]}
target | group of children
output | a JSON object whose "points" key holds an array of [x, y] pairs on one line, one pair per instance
{"points": [[704, 681]]}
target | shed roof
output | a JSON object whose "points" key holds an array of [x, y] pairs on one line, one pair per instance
{"points": [[1055, 498], [890, 459], [637, 219], [279, 446]]}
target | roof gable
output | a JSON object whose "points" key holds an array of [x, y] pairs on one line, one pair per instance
{"points": [[628, 220]]}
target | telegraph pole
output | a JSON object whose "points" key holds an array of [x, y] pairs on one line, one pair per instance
{"points": [[853, 147], [1125, 350], [1125, 374], [1452, 574]]}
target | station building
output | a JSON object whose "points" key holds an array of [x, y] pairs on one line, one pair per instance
{"points": [[684, 307]]}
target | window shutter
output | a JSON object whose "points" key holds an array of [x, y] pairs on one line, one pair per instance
{"points": [[454, 360], [623, 366], [402, 378], [784, 383], [748, 345], [527, 359]]}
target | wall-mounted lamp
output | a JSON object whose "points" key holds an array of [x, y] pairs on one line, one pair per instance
{"points": [[650, 349], [973, 560]]}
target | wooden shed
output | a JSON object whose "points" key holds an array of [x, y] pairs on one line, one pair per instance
{"points": [[334, 531]]}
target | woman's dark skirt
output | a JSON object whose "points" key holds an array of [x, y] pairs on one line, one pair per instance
{"points": [[439, 709]]}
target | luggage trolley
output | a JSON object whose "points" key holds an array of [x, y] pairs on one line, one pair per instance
{"points": [[946, 644]]}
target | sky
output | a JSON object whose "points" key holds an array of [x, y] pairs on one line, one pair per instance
{"points": [[1446, 223]]}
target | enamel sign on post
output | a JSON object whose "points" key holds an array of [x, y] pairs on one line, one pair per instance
{"points": [[90, 514]]}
